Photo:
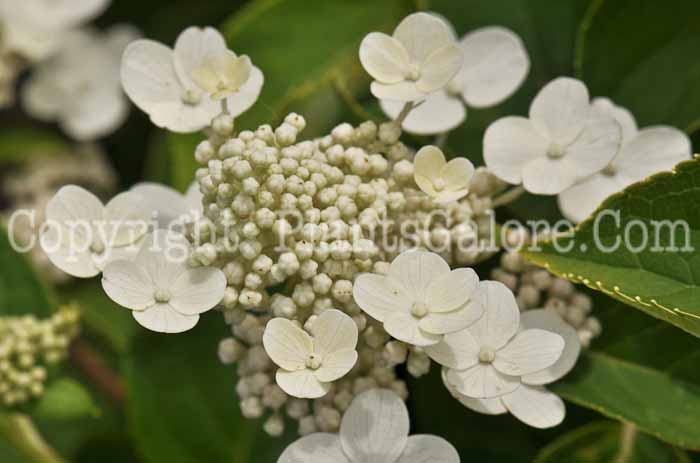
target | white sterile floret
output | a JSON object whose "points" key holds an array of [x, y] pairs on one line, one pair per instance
{"points": [[495, 66], [643, 153], [33, 29], [168, 205], [160, 81], [373, 430], [532, 403], [309, 363], [223, 75], [421, 57], [79, 85], [420, 299], [162, 291], [441, 180], [81, 235], [489, 358], [562, 142]]}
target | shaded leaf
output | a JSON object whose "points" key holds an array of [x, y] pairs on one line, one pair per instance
{"points": [[65, 399]]}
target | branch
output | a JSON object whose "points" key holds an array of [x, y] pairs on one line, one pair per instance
{"points": [[19, 431], [93, 365]]}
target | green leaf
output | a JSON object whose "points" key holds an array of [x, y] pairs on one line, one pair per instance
{"points": [[99, 313], [641, 55], [65, 399], [664, 283], [17, 144], [183, 405], [608, 441], [21, 290], [171, 159], [642, 371], [305, 50]]}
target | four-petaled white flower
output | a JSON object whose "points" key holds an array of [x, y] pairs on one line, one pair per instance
{"points": [[562, 142], [169, 205], [160, 81], [373, 430], [162, 291], [420, 299], [532, 403], [35, 28], [420, 58], [495, 65], [310, 363], [223, 75], [441, 180], [79, 86], [81, 235], [489, 358], [643, 153]]}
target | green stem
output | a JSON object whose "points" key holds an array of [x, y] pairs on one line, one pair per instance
{"points": [[405, 112], [628, 438], [19, 431], [508, 197]]}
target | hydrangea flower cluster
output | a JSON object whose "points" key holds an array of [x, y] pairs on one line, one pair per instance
{"points": [[28, 347]]}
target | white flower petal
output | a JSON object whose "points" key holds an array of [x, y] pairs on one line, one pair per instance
{"points": [[483, 406], [535, 406], [336, 364], [97, 113], [71, 256], [315, 448], [604, 106], [198, 290], [128, 285], [428, 449], [439, 68], [456, 350], [561, 109], [127, 219], [510, 144], [73, 204], [438, 113], [163, 202], [595, 147], [380, 296], [193, 47], [241, 101], [421, 34], [457, 174], [401, 91], [452, 290], [287, 345], [162, 318], [163, 257], [582, 199], [545, 176], [551, 321], [482, 381], [528, 352], [375, 427], [501, 315], [450, 322], [449, 196], [405, 327], [194, 198], [654, 149], [334, 331], [416, 269], [428, 163], [302, 384], [384, 58], [495, 66], [40, 96]]}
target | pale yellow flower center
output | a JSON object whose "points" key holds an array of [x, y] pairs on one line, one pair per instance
{"points": [[419, 310], [610, 170], [313, 362], [439, 184], [97, 246], [556, 151], [191, 97], [487, 355], [162, 296]]}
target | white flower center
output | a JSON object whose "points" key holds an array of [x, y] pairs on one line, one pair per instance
{"points": [[191, 97], [487, 354], [419, 310], [439, 184], [97, 246], [556, 151], [313, 362], [162, 296], [414, 74], [610, 170]]}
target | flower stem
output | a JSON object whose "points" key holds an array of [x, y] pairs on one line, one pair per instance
{"points": [[441, 139], [19, 431], [404, 112], [628, 438], [224, 106], [508, 197]]}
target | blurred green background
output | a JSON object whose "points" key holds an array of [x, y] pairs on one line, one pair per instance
{"points": [[174, 402]]}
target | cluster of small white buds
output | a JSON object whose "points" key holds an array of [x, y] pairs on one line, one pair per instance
{"points": [[535, 287], [292, 224], [28, 348]]}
